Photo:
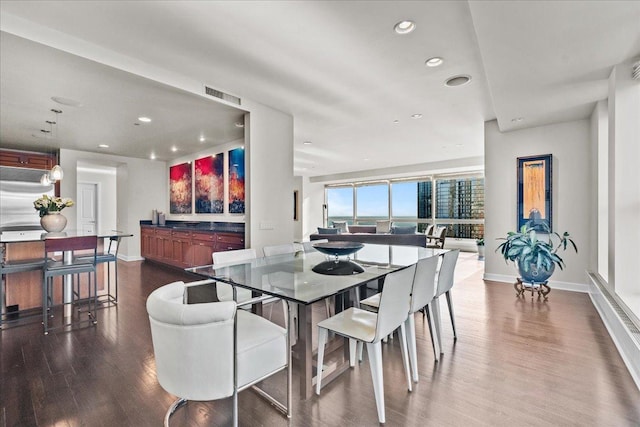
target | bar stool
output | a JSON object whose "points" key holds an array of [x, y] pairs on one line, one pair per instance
{"points": [[109, 256], [17, 266], [69, 266]]}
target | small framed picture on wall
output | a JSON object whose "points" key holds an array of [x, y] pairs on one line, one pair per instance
{"points": [[534, 192]]}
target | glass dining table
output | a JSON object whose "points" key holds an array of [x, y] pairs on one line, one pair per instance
{"points": [[291, 277]]}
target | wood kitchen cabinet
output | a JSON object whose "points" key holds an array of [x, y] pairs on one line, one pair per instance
{"points": [[229, 242], [26, 159], [183, 248], [181, 255], [203, 245], [164, 247]]}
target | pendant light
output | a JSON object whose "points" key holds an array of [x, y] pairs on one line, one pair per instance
{"points": [[56, 173], [44, 180]]}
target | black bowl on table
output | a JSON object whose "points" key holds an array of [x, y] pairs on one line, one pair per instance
{"points": [[338, 267]]}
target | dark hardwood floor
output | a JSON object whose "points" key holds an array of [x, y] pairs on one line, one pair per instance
{"points": [[517, 362]]}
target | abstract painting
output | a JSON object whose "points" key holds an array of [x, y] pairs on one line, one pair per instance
{"points": [[209, 184], [236, 181], [534, 191], [180, 189]]}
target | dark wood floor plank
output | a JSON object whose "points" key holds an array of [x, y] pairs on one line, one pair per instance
{"points": [[516, 362]]}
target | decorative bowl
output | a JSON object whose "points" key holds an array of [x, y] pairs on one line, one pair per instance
{"points": [[338, 248], [338, 267]]}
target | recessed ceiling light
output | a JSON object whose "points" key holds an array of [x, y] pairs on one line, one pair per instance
{"points": [[144, 119], [66, 101], [416, 116], [434, 62], [366, 159], [396, 121], [202, 139], [307, 143], [517, 119], [460, 80], [239, 124], [174, 149], [153, 156], [404, 27], [103, 146]]}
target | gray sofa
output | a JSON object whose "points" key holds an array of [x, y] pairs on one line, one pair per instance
{"points": [[367, 234]]}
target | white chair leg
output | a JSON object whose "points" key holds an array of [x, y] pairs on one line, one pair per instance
{"points": [[375, 363], [405, 359], [352, 352], [436, 319], [435, 343], [453, 322], [235, 408], [411, 343], [360, 347], [322, 340], [270, 311], [327, 306]]}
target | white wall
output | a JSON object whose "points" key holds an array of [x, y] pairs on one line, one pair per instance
{"points": [[312, 207], [141, 184], [269, 169], [570, 145]]}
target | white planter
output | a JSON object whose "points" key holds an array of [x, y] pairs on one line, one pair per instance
{"points": [[480, 251], [53, 222]]}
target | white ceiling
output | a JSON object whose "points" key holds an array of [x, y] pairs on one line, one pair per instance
{"points": [[337, 67]]}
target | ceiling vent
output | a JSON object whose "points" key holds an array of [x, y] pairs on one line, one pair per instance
{"points": [[460, 80], [221, 95], [635, 71]]}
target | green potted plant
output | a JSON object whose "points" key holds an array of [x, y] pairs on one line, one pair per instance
{"points": [[535, 253], [480, 246]]}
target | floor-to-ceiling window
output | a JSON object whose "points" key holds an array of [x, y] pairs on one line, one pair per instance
{"points": [[460, 206], [372, 202], [340, 204], [454, 201]]}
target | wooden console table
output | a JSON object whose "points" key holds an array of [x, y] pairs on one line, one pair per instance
{"points": [[543, 288]]}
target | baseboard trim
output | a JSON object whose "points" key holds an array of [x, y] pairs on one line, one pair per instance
{"points": [[553, 284], [622, 331], [130, 258]]}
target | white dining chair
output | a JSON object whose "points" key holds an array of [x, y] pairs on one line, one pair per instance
{"points": [[307, 247], [367, 327], [272, 250], [225, 291], [212, 351], [444, 285], [422, 297]]}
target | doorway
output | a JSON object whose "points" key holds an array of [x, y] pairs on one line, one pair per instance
{"points": [[88, 208]]}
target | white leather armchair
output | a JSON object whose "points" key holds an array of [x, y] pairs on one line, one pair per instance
{"points": [[212, 351]]}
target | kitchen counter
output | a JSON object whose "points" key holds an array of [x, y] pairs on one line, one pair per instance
{"points": [[186, 244], [16, 236], [222, 227]]}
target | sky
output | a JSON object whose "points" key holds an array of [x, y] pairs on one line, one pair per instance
{"points": [[373, 200]]}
